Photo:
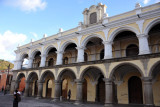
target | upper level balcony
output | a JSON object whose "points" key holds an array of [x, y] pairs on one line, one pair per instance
{"points": [[125, 44]]}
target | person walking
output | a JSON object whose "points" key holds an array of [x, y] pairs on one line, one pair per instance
{"points": [[15, 101], [69, 94]]}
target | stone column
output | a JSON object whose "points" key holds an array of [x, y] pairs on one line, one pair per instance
{"points": [[13, 83], [107, 50], [43, 60], [26, 94], [147, 90], [19, 64], [57, 90], [40, 89], [79, 91], [143, 44], [30, 62], [80, 56], [59, 57], [108, 92]]}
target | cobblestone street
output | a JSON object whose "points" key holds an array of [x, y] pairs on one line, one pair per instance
{"points": [[7, 100]]}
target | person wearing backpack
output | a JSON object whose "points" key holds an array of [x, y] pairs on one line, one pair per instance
{"points": [[17, 98]]}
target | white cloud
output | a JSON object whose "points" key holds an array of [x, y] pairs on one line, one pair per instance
{"points": [[8, 43], [146, 1], [28, 5]]}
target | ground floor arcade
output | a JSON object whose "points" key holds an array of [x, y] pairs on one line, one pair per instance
{"points": [[125, 81]]}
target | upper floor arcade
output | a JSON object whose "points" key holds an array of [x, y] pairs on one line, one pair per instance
{"points": [[134, 35]]}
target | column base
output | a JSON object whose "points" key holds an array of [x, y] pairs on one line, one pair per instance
{"points": [[38, 97], [78, 102], [80, 60], [144, 52], [56, 100], [149, 105], [107, 57], [108, 105]]}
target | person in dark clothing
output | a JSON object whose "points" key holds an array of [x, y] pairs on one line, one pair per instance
{"points": [[15, 101], [2, 89], [69, 94]]}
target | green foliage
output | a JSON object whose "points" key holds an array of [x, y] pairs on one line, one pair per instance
{"points": [[4, 64]]}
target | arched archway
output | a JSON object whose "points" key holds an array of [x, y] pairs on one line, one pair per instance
{"points": [[70, 53], [120, 44], [37, 59], [155, 74], [51, 56], [67, 76], [135, 90], [25, 59], [48, 84], [93, 46], [121, 75], [92, 91], [33, 85], [20, 82], [154, 38]]}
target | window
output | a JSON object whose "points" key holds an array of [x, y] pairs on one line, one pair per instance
{"points": [[93, 18], [85, 57], [102, 54], [65, 61], [50, 62], [132, 50]]}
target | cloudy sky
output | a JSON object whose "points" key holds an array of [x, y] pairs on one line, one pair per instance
{"points": [[23, 20]]}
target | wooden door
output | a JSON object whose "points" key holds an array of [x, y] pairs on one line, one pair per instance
{"points": [[85, 90], [135, 90], [35, 88], [101, 90], [64, 88]]}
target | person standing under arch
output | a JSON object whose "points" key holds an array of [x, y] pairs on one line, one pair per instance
{"points": [[69, 94]]}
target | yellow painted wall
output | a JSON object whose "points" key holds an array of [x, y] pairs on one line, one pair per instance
{"points": [[122, 90], [156, 93]]}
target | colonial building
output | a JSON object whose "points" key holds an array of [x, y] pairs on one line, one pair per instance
{"points": [[104, 59]]}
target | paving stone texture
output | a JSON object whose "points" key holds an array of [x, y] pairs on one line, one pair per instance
{"points": [[7, 101]]}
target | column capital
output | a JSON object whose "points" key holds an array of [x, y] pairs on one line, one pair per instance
{"points": [[58, 81], [80, 47], [79, 80], [146, 79], [44, 55], [142, 36], [30, 58], [107, 42], [40, 82], [26, 81], [59, 52], [107, 80]]}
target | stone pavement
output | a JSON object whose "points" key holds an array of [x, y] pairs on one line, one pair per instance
{"points": [[7, 101]]}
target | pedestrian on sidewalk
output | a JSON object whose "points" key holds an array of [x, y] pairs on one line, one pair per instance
{"points": [[69, 94], [15, 101]]}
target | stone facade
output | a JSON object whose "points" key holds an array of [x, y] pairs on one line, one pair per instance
{"points": [[111, 60]]}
